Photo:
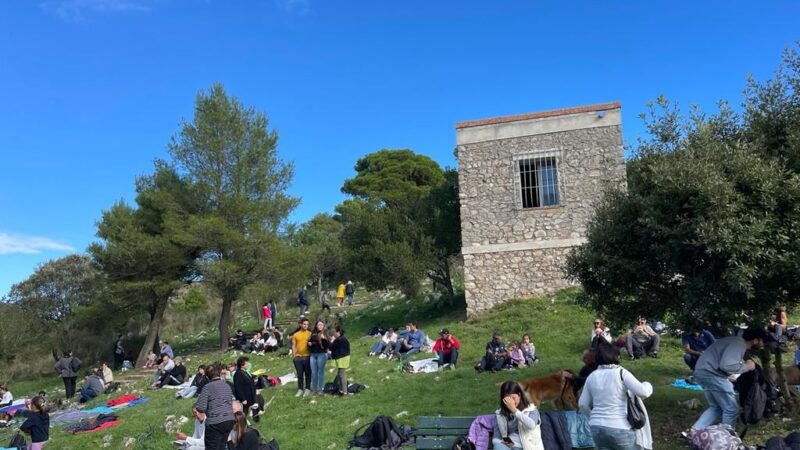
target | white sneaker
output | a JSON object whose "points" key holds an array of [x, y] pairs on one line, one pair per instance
{"points": [[299, 393], [307, 392], [382, 356]]}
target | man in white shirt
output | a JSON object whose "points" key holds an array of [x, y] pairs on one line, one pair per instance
{"points": [[7, 398]]}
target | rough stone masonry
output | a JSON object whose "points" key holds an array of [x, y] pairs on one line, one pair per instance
{"points": [[528, 185]]}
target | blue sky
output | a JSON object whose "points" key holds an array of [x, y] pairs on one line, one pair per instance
{"points": [[91, 90]]}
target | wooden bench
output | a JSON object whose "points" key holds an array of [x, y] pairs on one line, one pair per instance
{"points": [[439, 432]]}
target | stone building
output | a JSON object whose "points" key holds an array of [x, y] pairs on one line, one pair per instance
{"points": [[528, 185]]}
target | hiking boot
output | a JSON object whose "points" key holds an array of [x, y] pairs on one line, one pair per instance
{"points": [[299, 393]]}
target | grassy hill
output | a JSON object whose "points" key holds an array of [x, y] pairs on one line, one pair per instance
{"points": [[558, 327]]}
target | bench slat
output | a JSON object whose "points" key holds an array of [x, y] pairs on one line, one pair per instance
{"points": [[442, 431], [424, 443], [444, 422]]}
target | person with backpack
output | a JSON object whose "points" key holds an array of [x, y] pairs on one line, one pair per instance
{"points": [[724, 358], [318, 344], [37, 423], [340, 354], [67, 368]]}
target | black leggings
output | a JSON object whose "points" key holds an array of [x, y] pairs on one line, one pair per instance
{"points": [[69, 386], [302, 365]]}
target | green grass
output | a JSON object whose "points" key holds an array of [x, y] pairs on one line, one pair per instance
{"points": [[558, 327]]}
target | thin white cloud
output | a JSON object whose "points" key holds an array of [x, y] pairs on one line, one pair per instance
{"points": [[299, 7], [81, 10], [20, 243]]}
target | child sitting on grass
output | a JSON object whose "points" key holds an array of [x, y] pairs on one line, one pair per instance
{"points": [[516, 355], [151, 360], [37, 423]]}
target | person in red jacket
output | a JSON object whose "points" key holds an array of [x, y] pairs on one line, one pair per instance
{"points": [[446, 348]]}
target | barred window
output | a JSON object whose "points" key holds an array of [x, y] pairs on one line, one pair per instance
{"points": [[538, 182]]}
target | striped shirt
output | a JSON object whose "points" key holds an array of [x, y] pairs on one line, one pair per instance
{"points": [[215, 402]]}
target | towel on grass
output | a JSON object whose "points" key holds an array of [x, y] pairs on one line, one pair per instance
{"points": [[99, 410], [682, 384]]}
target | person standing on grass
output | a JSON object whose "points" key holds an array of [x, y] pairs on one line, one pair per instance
{"points": [[318, 344], [301, 358], [302, 301], [349, 292], [37, 423], [214, 405], [67, 368], [244, 389], [724, 358], [119, 353], [340, 294], [273, 311], [340, 354], [267, 313], [446, 348]]}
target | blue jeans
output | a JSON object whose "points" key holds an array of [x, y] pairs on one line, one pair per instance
{"points": [[87, 394], [377, 347], [452, 358], [400, 346], [606, 438], [318, 361], [721, 401], [349, 299], [690, 360]]}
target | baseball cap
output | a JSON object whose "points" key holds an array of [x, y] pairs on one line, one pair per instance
{"points": [[444, 331]]}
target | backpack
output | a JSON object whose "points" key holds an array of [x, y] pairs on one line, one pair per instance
{"points": [[271, 445], [18, 441], [462, 443], [355, 388], [74, 364], [757, 396], [716, 437], [381, 433]]}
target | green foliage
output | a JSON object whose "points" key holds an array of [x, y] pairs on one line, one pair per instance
{"points": [[708, 226], [230, 156], [192, 300], [57, 288], [403, 224], [140, 253]]}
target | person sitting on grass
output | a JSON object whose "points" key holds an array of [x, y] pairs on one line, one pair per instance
{"points": [[108, 376], [642, 340], [256, 344], [91, 387], [273, 341], [242, 437], [496, 357], [529, 350], [195, 441], [150, 361], [694, 344], [6, 398], [163, 369], [446, 348], [176, 376], [385, 345], [239, 341], [600, 331], [515, 355], [167, 350], [410, 343], [198, 381]]}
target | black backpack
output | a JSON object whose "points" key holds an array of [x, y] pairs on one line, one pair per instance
{"points": [[18, 442], [271, 445], [381, 433], [757, 396]]}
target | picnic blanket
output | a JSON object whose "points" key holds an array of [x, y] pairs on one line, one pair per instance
{"points": [[288, 378], [579, 431], [100, 410], [11, 409], [121, 400], [680, 383], [101, 422], [427, 365], [69, 415]]}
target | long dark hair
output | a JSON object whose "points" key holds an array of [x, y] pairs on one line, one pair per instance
{"points": [[239, 425], [38, 403], [512, 387]]}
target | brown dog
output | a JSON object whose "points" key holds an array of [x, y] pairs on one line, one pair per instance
{"points": [[551, 388]]}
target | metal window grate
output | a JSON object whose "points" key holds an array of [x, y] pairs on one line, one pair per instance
{"points": [[538, 182]]}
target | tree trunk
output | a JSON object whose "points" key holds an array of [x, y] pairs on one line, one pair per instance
{"points": [[225, 321], [319, 290], [156, 317]]}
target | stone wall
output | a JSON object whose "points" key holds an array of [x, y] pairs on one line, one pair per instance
{"points": [[513, 252]]}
